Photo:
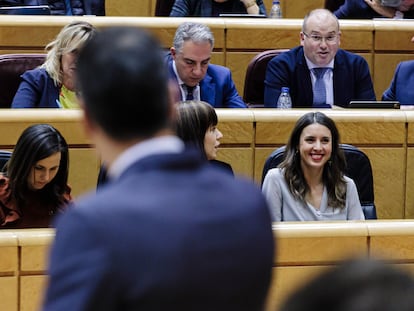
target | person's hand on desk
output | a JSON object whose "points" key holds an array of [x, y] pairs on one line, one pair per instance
{"points": [[380, 9], [251, 6]]}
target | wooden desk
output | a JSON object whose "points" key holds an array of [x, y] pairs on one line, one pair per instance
{"points": [[304, 249]]}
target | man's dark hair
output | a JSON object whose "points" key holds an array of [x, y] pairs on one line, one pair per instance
{"points": [[356, 285], [123, 82]]}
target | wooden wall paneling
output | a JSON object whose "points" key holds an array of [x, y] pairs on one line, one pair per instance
{"points": [[240, 159], [392, 240], [409, 184], [30, 33], [9, 265], [9, 292], [298, 9], [385, 65], [388, 168], [261, 34], [237, 62], [260, 156], [393, 35], [237, 144], [84, 165], [129, 8], [32, 288], [357, 35], [286, 279], [409, 195]]}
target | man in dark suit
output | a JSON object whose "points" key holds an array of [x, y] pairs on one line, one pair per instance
{"points": [[190, 69], [167, 231], [318, 73], [368, 9], [401, 87]]}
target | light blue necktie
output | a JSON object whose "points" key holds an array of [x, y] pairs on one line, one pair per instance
{"points": [[68, 7], [319, 90]]}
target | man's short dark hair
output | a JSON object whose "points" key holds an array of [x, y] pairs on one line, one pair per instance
{"points": [[123, 82]]}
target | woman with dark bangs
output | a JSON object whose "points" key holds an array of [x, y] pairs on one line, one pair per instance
{"points": [[33, 186], [197, 126]]}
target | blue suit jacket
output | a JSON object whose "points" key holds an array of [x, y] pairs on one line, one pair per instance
{"points": [[402, 84], [351, 79], [172, 233], [358, 9], [36, 90], [203, 8], [217, 88]]}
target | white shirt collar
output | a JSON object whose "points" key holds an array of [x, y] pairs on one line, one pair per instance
{"points": [[157, 145], [312, 65]]}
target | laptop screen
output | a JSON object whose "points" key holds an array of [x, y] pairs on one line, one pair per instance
{"points": [[25, 10], [366, 104], [241, 15]]}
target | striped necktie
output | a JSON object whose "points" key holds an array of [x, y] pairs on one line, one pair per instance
{"points": [[190, 90], [319, 89]]}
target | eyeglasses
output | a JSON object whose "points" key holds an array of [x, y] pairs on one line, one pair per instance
{"points": [[317, 38]]}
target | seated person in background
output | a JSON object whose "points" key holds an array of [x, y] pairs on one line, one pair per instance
{"points": [[52, 85], [213, 8], [368, 9], [318, 73], [197, 127], [60, 7], [310, 184], [333, 5], [402, 84], [34, 184], [190, 69], [355, 285]]}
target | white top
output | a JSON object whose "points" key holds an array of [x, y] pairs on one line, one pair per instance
{"points": [[284, 207]]}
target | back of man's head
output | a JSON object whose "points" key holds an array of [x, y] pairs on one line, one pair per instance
{"points": [[123, 83]]}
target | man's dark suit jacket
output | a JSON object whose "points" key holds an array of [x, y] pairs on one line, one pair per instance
{"points": [[402, 84], [358, 9], [204, 8], [217, 88], [171, 233], [351, 79]]}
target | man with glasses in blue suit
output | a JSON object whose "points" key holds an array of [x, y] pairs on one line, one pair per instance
{"points": [[318, 73]]}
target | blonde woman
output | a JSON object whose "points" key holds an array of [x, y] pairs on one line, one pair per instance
{"points": [[52, 85]]}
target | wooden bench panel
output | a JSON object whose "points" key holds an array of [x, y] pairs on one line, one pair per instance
{"points": [[32, 292], [385, 65], [286, 279], [388, 169], [240, 159], [394, 36], [9, 293], [129, 8]]}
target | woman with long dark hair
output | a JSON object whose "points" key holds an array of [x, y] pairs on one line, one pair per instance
{"points": [[33, 186], [310, 183]]}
